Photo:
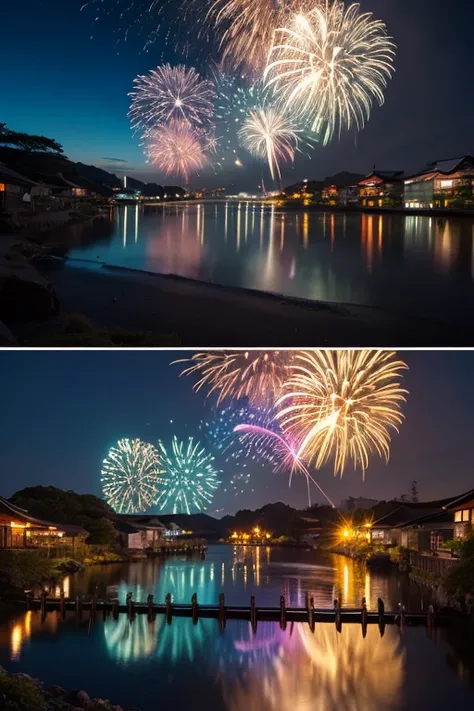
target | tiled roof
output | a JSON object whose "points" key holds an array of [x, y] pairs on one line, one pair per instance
{"points": [[23, 515]]}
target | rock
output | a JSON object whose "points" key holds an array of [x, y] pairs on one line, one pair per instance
{"points": [[6, 336], [56, 691], [24, 294], [79, 698]]}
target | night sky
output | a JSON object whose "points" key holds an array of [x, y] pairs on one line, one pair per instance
{"points": [[63, 410], [67, 77]]}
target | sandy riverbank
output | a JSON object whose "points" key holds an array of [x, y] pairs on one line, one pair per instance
{"points": [[207, 315]]}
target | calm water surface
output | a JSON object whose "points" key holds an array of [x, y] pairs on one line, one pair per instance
{"points": [[182, 666], [417, 265]]}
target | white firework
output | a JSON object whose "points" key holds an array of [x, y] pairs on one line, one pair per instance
{"points": [[129, 476]]}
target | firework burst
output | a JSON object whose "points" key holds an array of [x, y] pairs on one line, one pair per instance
{"points": [[168, 93], [342, 405], [129, 476], [256, 375], [329, 65], [271, 136], [176, 149], [189, 478], [247, 29]]}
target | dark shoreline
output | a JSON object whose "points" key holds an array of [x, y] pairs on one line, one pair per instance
{"points": [[210, 315]]}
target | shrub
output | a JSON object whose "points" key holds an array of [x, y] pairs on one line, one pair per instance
{"points": [[20, 693], [22, 569]]}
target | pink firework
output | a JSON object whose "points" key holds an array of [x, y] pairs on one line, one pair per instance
{"points": [[176, 148], [288, 453]]}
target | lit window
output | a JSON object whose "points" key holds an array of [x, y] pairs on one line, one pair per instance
{"points": [[446, 184], [2, 187], [457, 516], [465, 515]]}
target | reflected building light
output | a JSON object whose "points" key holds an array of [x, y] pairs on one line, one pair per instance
{"points": [[226, 220], [20, 633], [136, 224], [345, 585], [238, 228], [257, 566], [380, 234], [305, 230], [125, 219], [222, 574], [246, 221], [292, 273], [332, 229], [282, 233], [211, 572], [261, 227], [367, 589]]}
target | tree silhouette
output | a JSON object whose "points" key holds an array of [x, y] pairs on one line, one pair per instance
{"points": [[28, 142], [414, 492]]}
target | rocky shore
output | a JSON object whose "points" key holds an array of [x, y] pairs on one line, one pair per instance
{"points": [[21, 692]]}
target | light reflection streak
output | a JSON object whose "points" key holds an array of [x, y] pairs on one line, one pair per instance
{"points": [[136, 224], [125, 218]]}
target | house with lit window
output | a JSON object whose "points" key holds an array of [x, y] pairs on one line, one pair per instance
{"points": [[381, 188], [20, 530], [139, 531], [462, 510], [444, 183]]}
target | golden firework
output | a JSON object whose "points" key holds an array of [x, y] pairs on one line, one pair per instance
{"points": [[342, 405], [256, 375]]}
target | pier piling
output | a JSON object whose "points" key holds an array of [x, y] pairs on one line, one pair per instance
{"points": [[311, 614], [253, 614], [149, 601], [115, 608], [381, 616], [194, 609], [282, 612], [338, 618], [130, 605], [363, 617], [222, 615], [168, 608]]}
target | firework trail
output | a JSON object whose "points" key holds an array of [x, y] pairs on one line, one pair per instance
{"points": [[329, 65], [271, 136], [247, 28], [288, 453], [176, 149], [256, 375], [341, 405], [188, 480], [167, 93], [129, 476]]}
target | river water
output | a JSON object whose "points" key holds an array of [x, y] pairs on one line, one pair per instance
{"points": [[152, 665], [412, 265]]}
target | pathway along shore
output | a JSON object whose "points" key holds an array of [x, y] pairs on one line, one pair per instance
{"points": [[205, 315]]}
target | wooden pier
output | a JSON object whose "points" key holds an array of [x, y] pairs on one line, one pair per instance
{"points": [[252, 613]]}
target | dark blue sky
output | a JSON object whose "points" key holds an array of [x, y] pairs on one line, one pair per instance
{"points": [[66, 77], [63, 409]]}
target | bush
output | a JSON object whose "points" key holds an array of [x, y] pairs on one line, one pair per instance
{"points": [[101, 532], [19, 693], [22, 569], [460, 579]]}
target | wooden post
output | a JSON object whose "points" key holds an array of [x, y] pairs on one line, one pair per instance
{"points": [[28, 599], [282, 612], [169, 609], [311, 614], [62, 606], [338, 619], [129, 601], [381, 613], [194, 606], [253, 614], [400, 618], [150, 607], [115, 608], [222, 615], [363, 617], [78, 608], [44, 595], [430, 620]]}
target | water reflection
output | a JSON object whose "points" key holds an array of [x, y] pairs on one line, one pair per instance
{"points": [[326, 671], [356, 258]]}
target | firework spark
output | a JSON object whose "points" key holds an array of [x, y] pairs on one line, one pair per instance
{"points": [[341, 405], [329, 65], [289, 458], [176, 149], [129, 476], [168, 93], [247, 29], [189, 478], [271, 136], [256, 375]]}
